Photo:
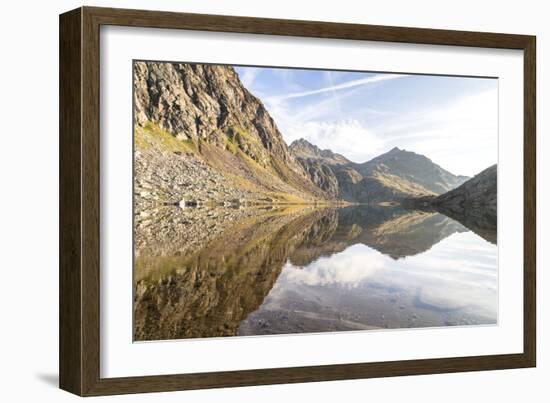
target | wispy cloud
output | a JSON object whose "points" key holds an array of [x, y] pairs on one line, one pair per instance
{"points": [[347, 137], [452, 121], [326, 109], [461, 135], [248, 76], [341, 86]]}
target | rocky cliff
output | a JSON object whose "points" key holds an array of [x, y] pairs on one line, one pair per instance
{"points": [[196, 117], [322, 176]]}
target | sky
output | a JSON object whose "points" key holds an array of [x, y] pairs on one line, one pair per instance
{"points": [[451, 120]]}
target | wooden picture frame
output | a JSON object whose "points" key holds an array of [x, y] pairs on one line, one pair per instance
{"points": [[79, 349]]}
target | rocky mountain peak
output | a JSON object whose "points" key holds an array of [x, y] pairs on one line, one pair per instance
{"points": [[302, 148], [305, 148], [412, 167], [401, 153], [393, 175]]}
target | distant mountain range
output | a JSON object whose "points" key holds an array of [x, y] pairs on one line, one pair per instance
{"points": [[202, 137], [395, 175]]}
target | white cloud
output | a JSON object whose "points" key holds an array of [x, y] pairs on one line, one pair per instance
{"points": [[468, 280], [248, 75], [347, 137], [322, 115], [461, 136], [349, 268], [358, 263]]}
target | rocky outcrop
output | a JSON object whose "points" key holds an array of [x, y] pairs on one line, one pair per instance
{"points": [[203, 114], [474, 203], [394, 176], [208, 103], [322, 175], [480, 192]]}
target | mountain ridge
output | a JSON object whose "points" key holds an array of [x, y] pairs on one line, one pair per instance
{"points": [[392, 176], [305, 149]]}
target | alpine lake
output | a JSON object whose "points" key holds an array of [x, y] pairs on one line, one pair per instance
{"points": [[240, 271]]}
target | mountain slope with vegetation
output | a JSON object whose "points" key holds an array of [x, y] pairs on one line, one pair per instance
{"points": [[198, 130]]}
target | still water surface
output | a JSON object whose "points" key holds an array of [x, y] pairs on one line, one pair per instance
{"points": [[311, 270]]}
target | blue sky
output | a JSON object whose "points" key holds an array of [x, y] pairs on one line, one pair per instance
{"points": [[451, 120]]}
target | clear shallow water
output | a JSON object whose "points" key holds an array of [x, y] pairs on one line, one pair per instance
{"points": [[313, 270]]}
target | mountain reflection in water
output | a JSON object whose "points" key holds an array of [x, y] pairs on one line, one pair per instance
{"points": [[306, 269]]}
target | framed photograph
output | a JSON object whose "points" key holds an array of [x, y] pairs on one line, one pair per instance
{"points": [[249, 201]]}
